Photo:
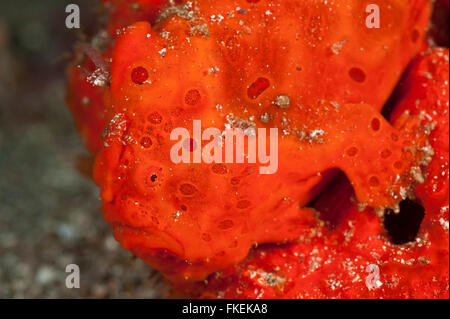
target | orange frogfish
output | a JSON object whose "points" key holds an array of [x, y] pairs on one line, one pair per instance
{"points": [[315, 71]]}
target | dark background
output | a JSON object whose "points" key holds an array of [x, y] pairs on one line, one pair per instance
{"points": [[49, 212]]}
